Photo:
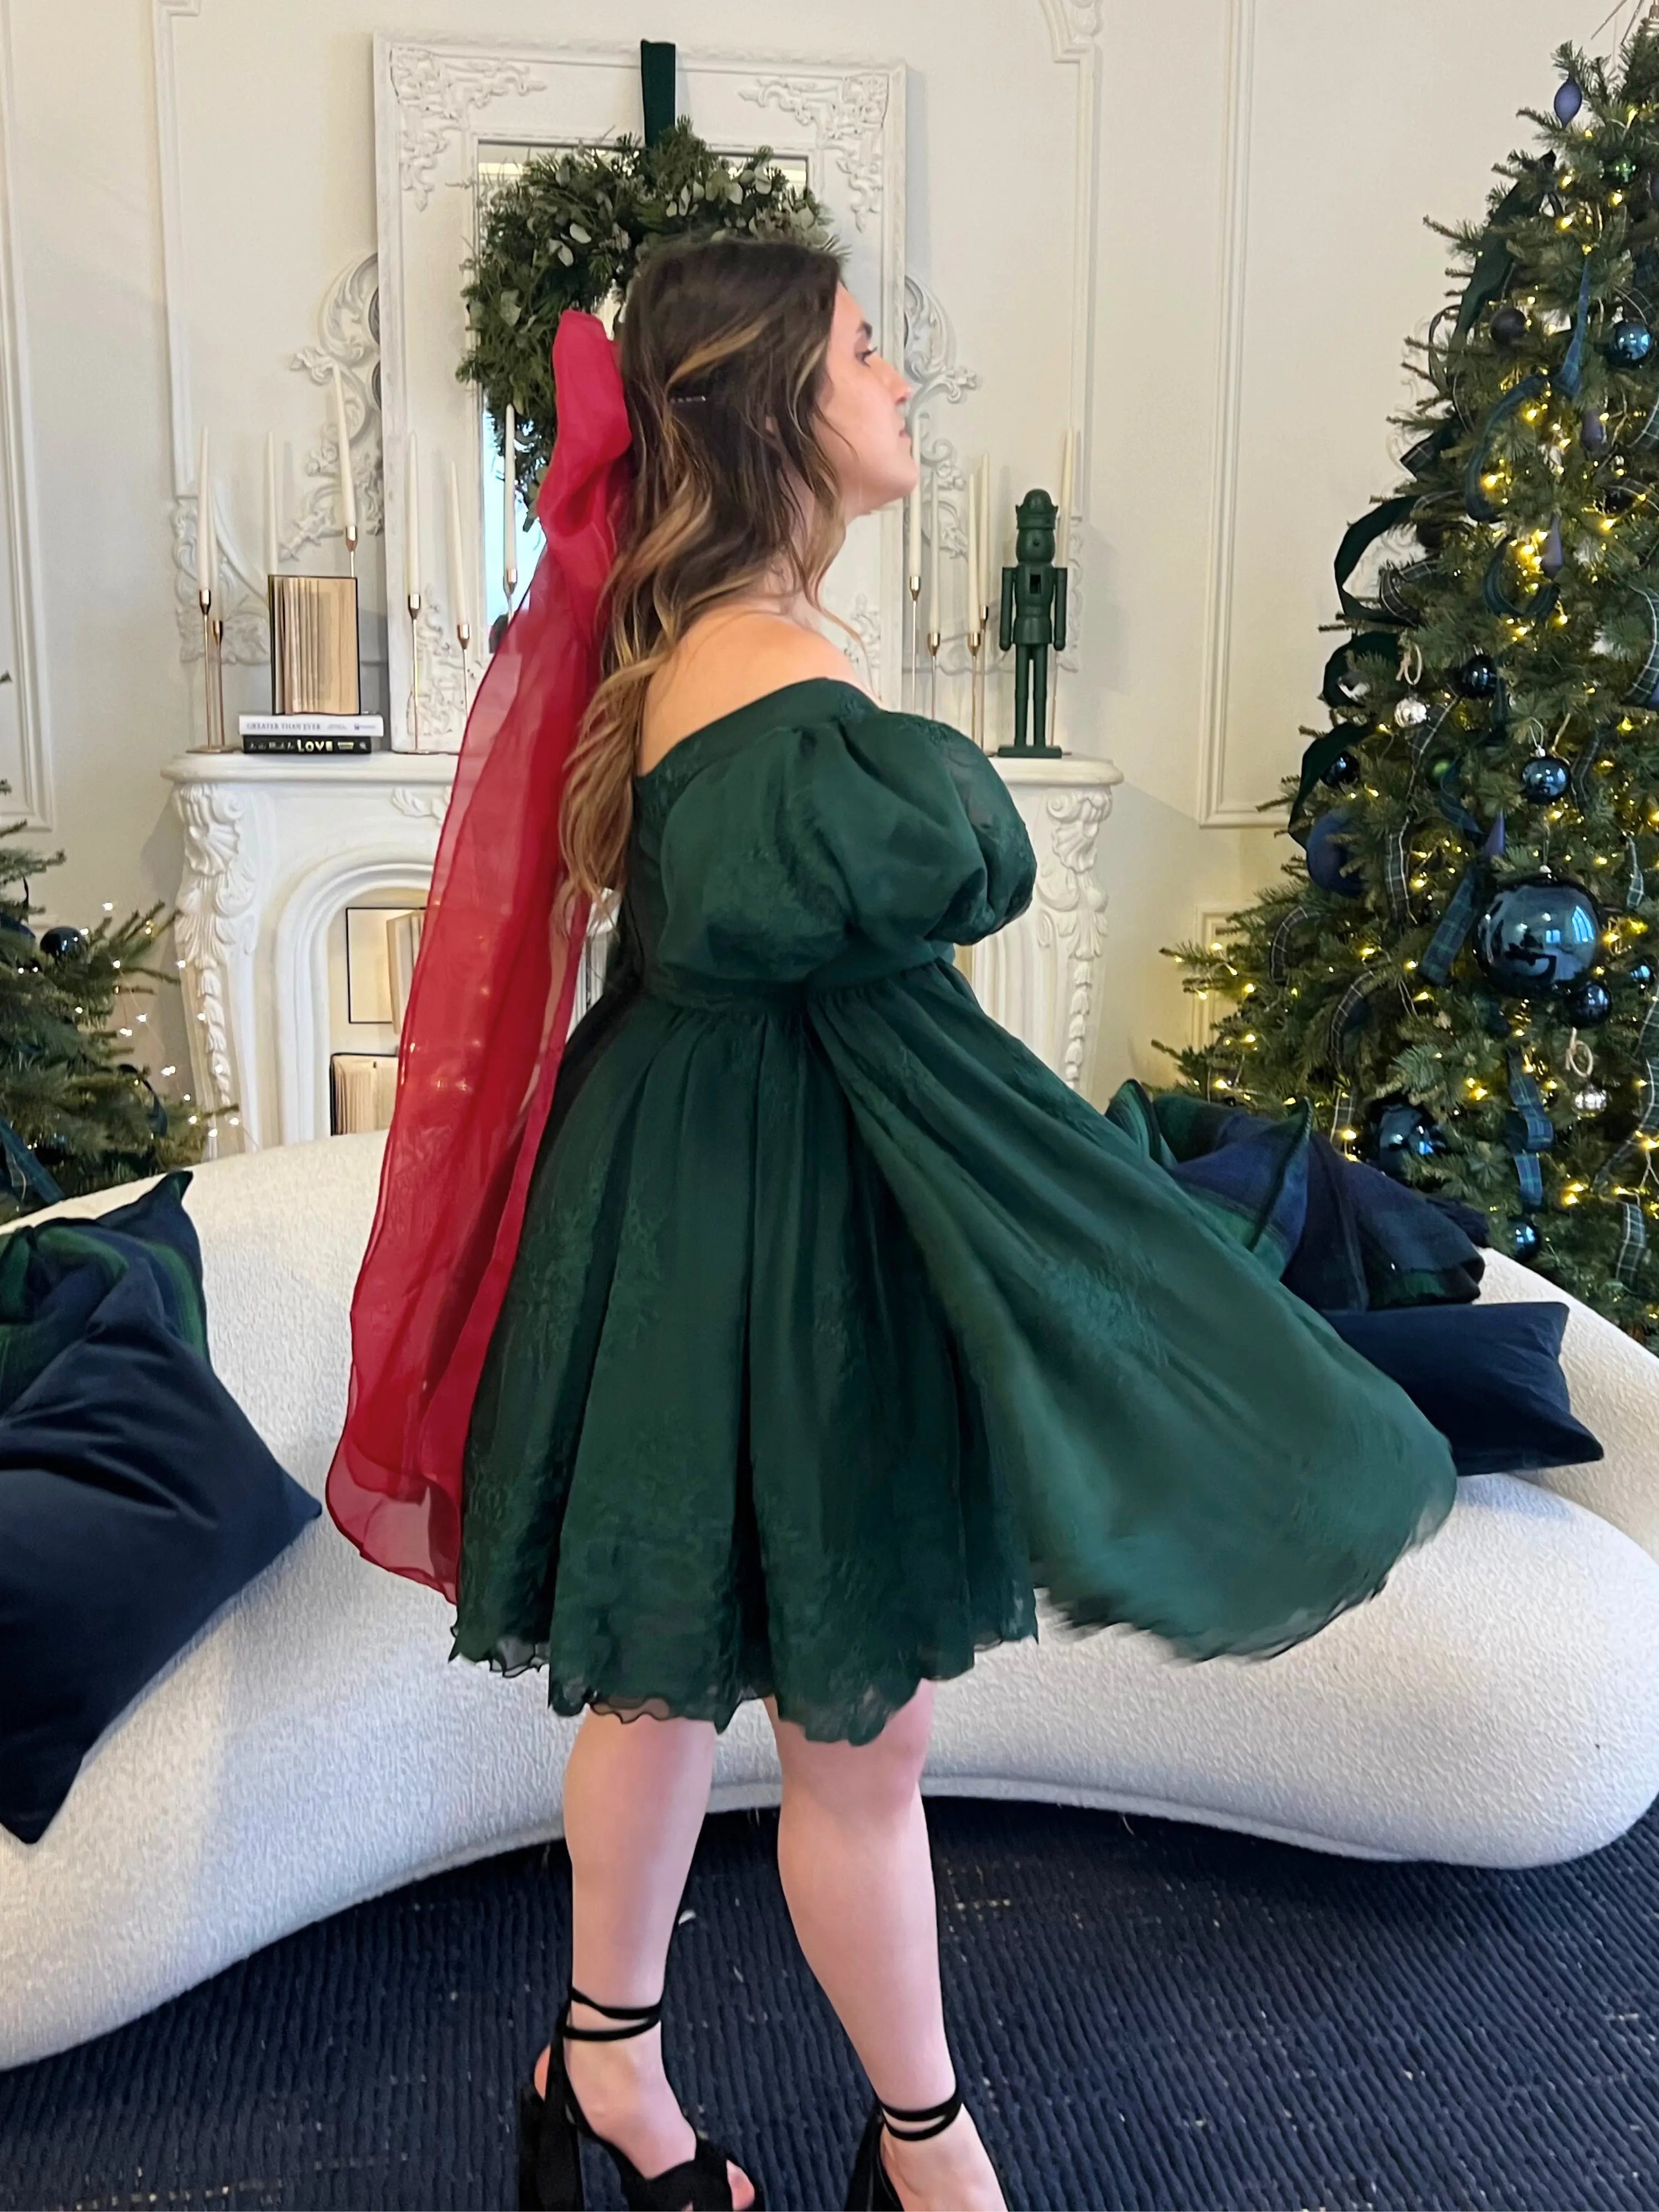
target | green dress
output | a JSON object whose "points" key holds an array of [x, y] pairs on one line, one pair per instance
{"points": [[839, 1324]]}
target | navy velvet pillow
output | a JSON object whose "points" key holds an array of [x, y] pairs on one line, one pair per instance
{"points": [[1488, 1377], [135, 1498]]}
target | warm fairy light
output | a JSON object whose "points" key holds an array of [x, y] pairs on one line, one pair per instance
{"points": [[1349, 1134], [1410, 965]]}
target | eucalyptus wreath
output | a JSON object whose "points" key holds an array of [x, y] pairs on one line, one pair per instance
{"points": [[571, 228]]}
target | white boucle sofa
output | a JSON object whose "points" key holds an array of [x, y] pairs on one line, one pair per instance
{"points": [[1498, 1704]]}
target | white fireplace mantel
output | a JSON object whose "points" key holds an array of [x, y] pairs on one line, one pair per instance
{"points": [[275, 846]]}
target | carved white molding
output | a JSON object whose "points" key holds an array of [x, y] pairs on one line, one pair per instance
{"points": [[439, 92], [1214, 810], [421, 806], [939, 379], [215, 929], [347, 322], [849, 118], [1073, 25], [1039, 975], [32, 802]]}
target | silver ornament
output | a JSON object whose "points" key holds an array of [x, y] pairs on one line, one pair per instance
{"points": [[1410, 712], [1592, 1099]]}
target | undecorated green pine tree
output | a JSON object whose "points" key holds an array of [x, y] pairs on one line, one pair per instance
{"points": [[1459, 969]]}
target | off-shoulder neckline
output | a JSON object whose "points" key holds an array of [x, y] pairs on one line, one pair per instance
{"points": [[736, 716]]}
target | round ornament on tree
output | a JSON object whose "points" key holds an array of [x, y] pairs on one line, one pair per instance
{"points": [[1592, 431], [1398, 1131], [1477, 678], [1509, 326], [1589, 1002], [1545, 778], [1569, 98], [64, 939], [1629, 343], [1343, 771], [1639, 974], [1329, 863], [1592, 1099], [1523, 1238], [1537, 936], [1411, 712]]}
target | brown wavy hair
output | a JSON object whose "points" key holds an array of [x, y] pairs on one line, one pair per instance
{"points": [[721, 343]]}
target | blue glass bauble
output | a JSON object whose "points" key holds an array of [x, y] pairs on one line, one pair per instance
{"points": [[1629, 343], [15, 925], [1592, 431], [1589, 1002], [1400, 1132], [1342, 771], [1537, 936], [1639, 974], [1508, 327], [1328, 862], [1545, 778], [1523, 1238], [1569, 98], [63, 940], [1477, 678]]}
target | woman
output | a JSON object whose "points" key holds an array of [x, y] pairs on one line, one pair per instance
{"points": [[821, 1324]]}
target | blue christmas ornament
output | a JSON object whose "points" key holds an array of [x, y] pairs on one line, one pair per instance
{"points": [[1589, 1002], [1328, 864], [1639, 974], [1523, 1238], [1546, 778], [1629, 343], [1537, 936], [63, 938], [1400, 1131], [1569, 99]]}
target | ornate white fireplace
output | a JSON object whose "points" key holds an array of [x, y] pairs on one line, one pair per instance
{"points": [[275, 849]]}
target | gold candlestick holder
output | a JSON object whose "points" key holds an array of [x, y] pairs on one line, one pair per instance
{"points": [[935, 639], [351, 549], [464, 638], [909, 657], [213, 677], [977, 685], [413, 603]]}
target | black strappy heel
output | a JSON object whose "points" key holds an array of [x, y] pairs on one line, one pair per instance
{"points": [[550, 2130], [871, 2188]]}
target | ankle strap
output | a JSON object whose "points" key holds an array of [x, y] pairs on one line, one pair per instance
{"points": [[911, 2127], [639, 2017]]}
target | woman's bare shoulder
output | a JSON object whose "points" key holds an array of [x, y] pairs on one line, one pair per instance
{"points": [[728, 660]]}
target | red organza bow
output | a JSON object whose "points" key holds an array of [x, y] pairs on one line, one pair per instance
{"points": [[489, 1006]]}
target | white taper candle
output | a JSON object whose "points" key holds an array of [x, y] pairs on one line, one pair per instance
{"points": [[411, 523], [976, 565], [343, 443], [207, 553], [1067, 476], [272, 559], [510, 504], [460, 610], [914, 567], [933, 564], [986, 534]]}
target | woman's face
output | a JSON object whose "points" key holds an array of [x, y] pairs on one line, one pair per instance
{"points": [[867, 437]]}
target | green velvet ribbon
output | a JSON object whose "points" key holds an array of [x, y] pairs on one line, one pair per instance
{"points": [[1495, 261], [657, 86], [1356, 540]]}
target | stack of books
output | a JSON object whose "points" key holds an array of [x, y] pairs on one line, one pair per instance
{"points": [[310, 733]]}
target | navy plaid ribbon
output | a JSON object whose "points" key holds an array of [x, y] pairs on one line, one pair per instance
{"points": [[1632, 1241], [1394, 883], [1345, 1016], [1453, 933], [1341, 1111], [1279, 944], [1527, 1129], [1646, 1048], [1475, 502], [1570, 374], [1633, 888], [1644, 692]]}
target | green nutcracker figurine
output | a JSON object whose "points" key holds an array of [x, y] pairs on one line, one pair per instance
{"points": [[1033, 618]]}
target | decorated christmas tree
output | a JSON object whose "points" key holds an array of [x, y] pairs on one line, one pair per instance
{"points": [[1459, 970], [76, 1112]]}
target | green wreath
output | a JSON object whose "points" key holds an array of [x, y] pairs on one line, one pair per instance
{"points": [[572, 227]]}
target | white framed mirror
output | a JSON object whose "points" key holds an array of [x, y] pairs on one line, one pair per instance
{"points": [[455, 117]]}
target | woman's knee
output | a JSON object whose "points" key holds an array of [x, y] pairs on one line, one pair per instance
{"points": [[865, 1778]]}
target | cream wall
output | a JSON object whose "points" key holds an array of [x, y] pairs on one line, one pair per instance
{"points": [[1249, 240]]}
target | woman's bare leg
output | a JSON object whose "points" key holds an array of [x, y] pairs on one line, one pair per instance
{"points": [[857, 1871], [634, 1796]]}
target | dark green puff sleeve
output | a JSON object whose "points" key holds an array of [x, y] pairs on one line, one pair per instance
{"points": [[869, 828]]}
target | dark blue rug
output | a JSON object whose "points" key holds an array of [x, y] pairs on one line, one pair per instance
{"points": [[1145, 2013]]}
